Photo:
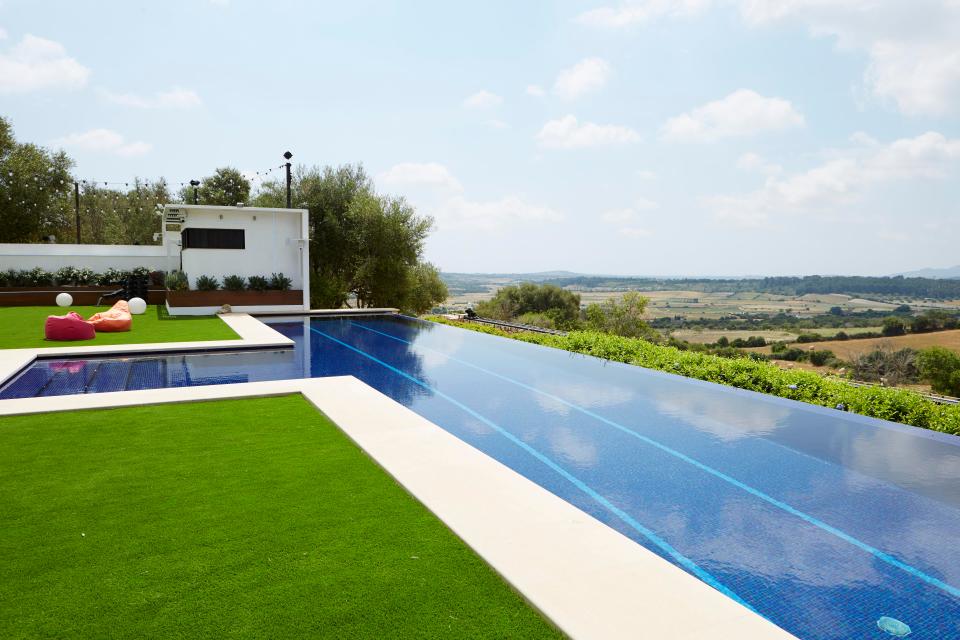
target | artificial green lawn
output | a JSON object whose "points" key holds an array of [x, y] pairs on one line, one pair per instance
{"points": [[250, 518], [22, 328]]}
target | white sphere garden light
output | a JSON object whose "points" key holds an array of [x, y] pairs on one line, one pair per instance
{"points": [[137, 305], [64, 299]]}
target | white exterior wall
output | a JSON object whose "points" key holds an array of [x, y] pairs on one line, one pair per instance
{"points": [[98, 257], [275, 241]]}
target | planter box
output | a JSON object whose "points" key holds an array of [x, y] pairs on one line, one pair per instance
{"points": [[233, 298], [46, 296]]}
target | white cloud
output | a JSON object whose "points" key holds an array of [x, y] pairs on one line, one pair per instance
{"points": [[842, 179], [635, 232], [590, 74], [646, 174], [639, 12], [535, 90], [434, 188], [742, 113], [568, 133], [430, 174], [3, 33], [482, 100], [494, 123], [626, 218], [913, 47], [754, 162], [104, 141], [493, 215], [175, 98], [617, 216], [36, 63]]}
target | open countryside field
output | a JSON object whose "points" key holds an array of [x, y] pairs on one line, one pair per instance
{"points": [[698, 304], [709, 336], [846, 349]]}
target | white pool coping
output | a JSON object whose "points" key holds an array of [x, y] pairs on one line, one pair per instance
{"points": [[587, 578], [252, 333]]}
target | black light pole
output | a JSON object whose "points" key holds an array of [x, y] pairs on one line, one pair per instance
{"points": [[196, 194], [288, 155], [76, 204]]}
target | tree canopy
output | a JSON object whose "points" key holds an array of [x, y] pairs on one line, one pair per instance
{"points": [[362, 244], [562, 307], [226, 187], [34, 184]]}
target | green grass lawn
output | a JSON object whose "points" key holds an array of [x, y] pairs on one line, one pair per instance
{"points": [[23, 328], [249, 518]]}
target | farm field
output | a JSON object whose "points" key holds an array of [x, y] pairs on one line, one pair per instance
{"points": [[846, 349], [697, 304], [709, 336]]}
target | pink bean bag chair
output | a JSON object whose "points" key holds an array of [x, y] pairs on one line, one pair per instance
{"points": [[117, 318], [68, 327]]}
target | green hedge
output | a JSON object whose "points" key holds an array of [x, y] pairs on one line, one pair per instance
{"points": [[897, 405]]}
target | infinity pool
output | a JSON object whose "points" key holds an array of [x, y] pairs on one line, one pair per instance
{"points": [[819, 520]]}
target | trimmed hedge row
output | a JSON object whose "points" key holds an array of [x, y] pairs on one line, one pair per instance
{"points": [[896, 405]]}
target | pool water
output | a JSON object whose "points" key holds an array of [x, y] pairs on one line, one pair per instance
{"points": [[822, 521]]}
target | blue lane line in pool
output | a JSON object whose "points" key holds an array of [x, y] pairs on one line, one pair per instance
{"points": [[954, 591], [681, 559]]}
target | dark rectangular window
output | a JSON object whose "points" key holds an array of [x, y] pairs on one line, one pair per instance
{"points": [[196, 238]]}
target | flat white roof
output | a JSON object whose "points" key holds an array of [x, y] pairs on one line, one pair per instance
{"points": [[216, 207]]}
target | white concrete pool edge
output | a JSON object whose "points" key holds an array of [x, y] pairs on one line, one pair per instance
{"points": [[252, 333], [588, 579]]}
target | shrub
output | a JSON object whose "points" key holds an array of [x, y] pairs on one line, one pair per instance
{"points": [[257, 283], [820, 357], [111, 277], [65, 276], [886, 365], [177, 281], [234, 283], [40, 277], [18, 278], [841, 335], [623, 317], [84, 276], [158, 278], [894, 327], [898, 405], [941, 367], [537, 320], [4, 278], [280, 282], [809, 337], [140, 271], [207, 283]]}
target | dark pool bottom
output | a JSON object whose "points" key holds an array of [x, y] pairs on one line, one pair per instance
{"points": [[824, 522]]}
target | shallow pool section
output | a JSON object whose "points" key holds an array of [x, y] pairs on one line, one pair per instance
{"points": [[821, 521]]}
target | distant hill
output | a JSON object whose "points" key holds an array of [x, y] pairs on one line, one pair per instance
{"points": [[948, 272]]}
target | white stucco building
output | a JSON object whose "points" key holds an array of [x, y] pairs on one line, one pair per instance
{"points": [[245, 241]]}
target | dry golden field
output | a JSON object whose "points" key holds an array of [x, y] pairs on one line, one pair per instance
{"points": [[846, 349]]}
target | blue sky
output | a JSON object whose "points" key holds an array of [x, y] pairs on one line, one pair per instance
{"points": [[692, 137]]}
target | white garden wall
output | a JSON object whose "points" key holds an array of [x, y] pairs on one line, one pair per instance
{"points": [[98, 257]]}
